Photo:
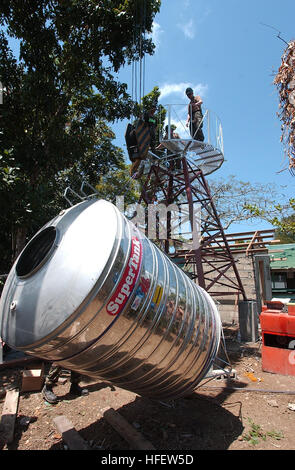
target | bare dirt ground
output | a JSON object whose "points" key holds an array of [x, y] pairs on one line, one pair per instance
{"points": [[218, 418]]}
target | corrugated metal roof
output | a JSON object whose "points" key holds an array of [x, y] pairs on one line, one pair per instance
{"points": [[282, 256]]}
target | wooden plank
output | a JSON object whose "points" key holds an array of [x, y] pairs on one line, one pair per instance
{"points": [[8, 417], [243, 244], [251, 243], [18, 362], [131, 435], [235, 251], [69, 434], [240, 234]]}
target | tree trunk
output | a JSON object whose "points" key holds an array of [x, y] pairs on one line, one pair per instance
{"points": [[19, 238]]}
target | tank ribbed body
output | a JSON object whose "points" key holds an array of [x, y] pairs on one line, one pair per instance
{"points": [[92, 293]]}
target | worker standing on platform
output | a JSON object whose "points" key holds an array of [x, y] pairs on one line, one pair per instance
{"points": [[173, 134], [175, 162], [195, 115]]}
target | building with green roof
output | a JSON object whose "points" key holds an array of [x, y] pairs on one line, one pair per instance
{"points": [[282, 266]]}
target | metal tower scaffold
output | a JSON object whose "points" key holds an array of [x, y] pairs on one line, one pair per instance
{"points": [[178, 178]]}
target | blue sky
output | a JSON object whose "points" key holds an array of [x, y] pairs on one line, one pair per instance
{"points": [[221, 49]]}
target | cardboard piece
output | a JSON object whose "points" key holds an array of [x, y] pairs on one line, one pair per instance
{"points": [[32, 379]]}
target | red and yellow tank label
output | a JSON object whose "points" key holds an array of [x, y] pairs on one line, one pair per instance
{"points": [[128, 280]]}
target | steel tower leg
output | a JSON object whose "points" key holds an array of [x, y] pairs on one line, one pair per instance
{"points": [[197, 250]]}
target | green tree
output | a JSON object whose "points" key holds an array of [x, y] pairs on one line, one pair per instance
{"points": [[58, 95], [279, 215], [286, 231], [238, 201]]}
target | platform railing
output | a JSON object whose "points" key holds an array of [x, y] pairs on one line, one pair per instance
{"points": [[176, 114]]}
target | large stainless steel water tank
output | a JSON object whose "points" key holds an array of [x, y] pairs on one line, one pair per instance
{"points": [[91, 292]]}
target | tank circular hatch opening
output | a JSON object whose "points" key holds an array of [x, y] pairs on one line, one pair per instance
{"points": [[36, 252]]}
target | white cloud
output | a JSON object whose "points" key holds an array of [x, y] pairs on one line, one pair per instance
{"points": [[188, 29], [178, 89], [156, 33]]}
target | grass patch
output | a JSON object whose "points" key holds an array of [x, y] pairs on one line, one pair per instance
{"points": [[256, 434]]}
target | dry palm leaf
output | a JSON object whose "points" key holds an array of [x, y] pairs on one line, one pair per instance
{"points": [[285, 82]]}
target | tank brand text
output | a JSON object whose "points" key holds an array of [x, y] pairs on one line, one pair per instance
{"points": [[128, 280]]}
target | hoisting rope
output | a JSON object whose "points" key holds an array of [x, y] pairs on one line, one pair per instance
{"points": [[142, 59], [139, 36]]}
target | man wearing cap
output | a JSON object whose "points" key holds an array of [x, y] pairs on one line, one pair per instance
{"points": [[195, 115], [173, 135], [176, 162]]}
